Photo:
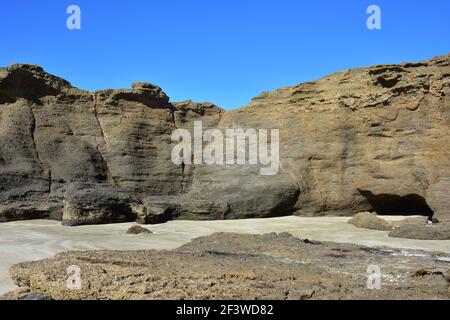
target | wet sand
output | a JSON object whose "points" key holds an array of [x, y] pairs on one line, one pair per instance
{"points": [[34, 240]]}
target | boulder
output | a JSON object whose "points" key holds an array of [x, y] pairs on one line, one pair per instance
{"points": [[370, 220], [138, 230], [88, 203]]}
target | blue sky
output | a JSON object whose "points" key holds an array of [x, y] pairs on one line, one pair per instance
{"points": [[222, 51]]}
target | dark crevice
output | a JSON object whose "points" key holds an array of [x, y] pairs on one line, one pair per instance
{"points": [[33, 137], [183, 166], [167, 215], [102, 159], [172, 111], [286, 206], [109, 178], [4, 98], [392, 204], [187, 173]]}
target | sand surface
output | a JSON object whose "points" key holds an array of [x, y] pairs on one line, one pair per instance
{"points": [[39, 239]]}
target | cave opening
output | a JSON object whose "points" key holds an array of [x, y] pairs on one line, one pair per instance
{"points": [[392, 204]]}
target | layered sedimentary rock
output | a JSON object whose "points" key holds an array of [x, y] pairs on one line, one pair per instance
{"points": [[363, 139]]}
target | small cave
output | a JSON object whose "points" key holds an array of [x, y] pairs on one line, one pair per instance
{"points": [[392, 204]]}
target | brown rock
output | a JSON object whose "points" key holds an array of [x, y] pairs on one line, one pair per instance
{"points": [[138, 230], [369, 220], [363, 139], [416, 229], [236, 266]]}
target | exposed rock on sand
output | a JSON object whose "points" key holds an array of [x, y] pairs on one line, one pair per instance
{"points": [[363, 139], [421, 229], [232, 266], [138, 230], [93, 203], [370, 220]]}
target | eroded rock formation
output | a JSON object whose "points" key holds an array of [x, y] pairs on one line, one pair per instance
{"points": [[372, 138], [237, 266]]}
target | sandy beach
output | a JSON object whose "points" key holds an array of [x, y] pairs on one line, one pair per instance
{"points": [[39, 239]]}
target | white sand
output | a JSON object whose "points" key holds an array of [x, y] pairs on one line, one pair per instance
{"points": [[39, 239]]}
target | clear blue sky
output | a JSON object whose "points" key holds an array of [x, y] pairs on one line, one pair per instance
{"points": [[222, 51]]}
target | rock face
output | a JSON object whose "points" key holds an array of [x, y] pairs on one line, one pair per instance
{"points": [[363, 139]]}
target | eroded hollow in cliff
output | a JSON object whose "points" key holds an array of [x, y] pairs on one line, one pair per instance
{"points": [[392, 204], [22, 83]]}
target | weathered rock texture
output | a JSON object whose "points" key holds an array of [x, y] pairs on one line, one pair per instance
{"points": [[138, 230], [233, 266], [363, 139], [370, 220], [422, 230]]}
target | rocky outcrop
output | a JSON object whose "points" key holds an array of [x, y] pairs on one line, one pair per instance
{"points": [[138, 230], [370, 220], [236, 266], [422, 229], [94, 203], [363, 139]]}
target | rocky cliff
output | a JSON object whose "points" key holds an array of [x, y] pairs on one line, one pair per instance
{"points": [[372, 138]]}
